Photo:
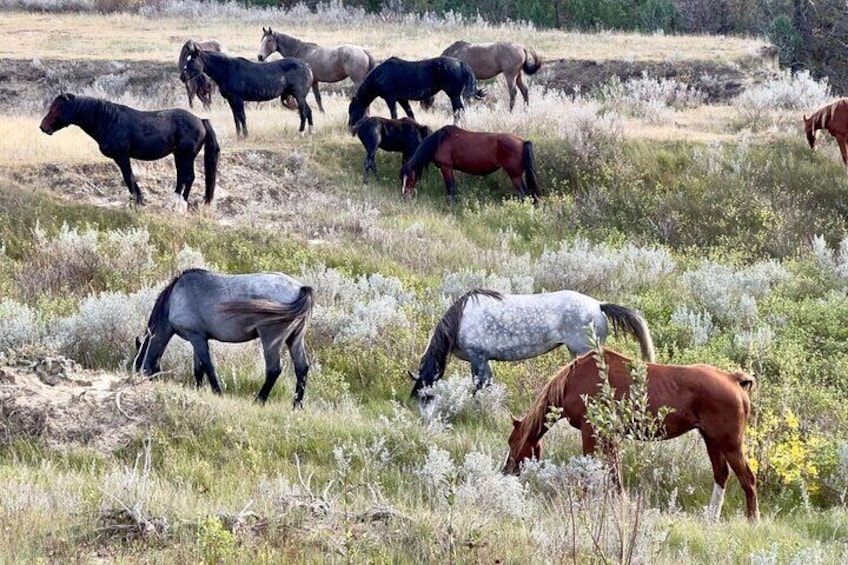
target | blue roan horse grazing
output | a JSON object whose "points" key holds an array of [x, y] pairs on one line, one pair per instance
{"points": [[484, 325], [200, 305]]}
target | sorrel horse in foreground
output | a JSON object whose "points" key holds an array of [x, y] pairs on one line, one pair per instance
{"points": [[701, 397], [476, 153], [329, 64], [199, 305], [240, 80], [403, 136], [833, 118], [124, 133], [398, 81], [484, 325], [487, 60], [199, 85]]}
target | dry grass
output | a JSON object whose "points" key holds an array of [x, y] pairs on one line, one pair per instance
{"points": [[133, 37]]}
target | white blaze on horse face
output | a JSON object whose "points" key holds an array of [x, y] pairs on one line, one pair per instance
{"points": [[716, 502], [403, 185]]}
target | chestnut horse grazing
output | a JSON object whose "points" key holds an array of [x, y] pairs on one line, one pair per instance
{"points": [[701, 397], [833, 118], [476, 153], [487, 60]]}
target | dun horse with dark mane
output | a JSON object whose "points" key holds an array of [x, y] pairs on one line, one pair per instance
{"points": [[329, 64], [124, 133], [476, 153], [487, 60], [833, 118], [701, 397]]}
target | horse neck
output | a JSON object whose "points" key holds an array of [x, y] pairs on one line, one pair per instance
{"points": [[435, 357], [219, 67], [427, 150], [93, 116], [536, 423], [288, 46]]}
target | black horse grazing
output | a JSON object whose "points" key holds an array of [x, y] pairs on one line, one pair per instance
{"points": [[398, 81], [403, 136], [240, 80], [123, 133]]}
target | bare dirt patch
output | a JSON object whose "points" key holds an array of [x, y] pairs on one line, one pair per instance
{"points": [[52, 401]]}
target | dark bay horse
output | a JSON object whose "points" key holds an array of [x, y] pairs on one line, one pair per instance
{"points": [[200, 84], [124, 133], [487, 60], [398, 81], [476, 153], [701, 397], [329, 64], [833, 118], [199, 305], [240, 80], [403, 136], [483, 325]]}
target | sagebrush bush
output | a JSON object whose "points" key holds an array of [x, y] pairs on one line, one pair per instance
{"points": [[455, 397], [20, 325], [652, 99], [776, 101]]}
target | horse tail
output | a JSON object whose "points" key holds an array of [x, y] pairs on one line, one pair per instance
{"points": [[528, 68], [631, 322], [268, 312], [471, 90], [211, 152], [746, 381], [530, 168], [358, 125]]}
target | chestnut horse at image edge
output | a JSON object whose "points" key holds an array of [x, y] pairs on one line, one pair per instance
{"points": [[475, 153], [833, 118], [701, 397]]}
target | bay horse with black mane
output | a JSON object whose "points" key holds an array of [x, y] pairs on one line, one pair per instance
{"points": [[403, 136], [833, 118], [124, 133], [700, 397], [487, 60], [483, 325], [475, 153], [240, 80], [199, 305], [398, 81], [199, 85], [329, 64]]}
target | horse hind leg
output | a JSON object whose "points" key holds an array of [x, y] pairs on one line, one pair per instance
{"points": [[746, 477], [519, 81], [317, 94], [297, 351], [721, 472], [305, 113], [511, 87], [271, 350], [407, 108], [185, 178]]}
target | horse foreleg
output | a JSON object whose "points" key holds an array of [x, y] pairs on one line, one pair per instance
{"points": [[407, 108], [392, 104], [721, 472], [590, 446], [237, 106], [458, 107], [204, 359], [746, 477], [450, 183], [297, 351], [841, 140], [129, 179], [481, 371], [317, 96]]}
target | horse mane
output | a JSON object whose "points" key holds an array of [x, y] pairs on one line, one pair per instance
{"points": [[445, 335], [823, 115], [88, 107], [161, 308], [425, 152]]}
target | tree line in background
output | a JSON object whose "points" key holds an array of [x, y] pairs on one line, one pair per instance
{"points": [[810, 34]]}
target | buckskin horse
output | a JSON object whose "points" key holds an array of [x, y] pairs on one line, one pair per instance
{"points": [[329, 64], [476, 153], [833, 118], [199, 305], [701, 397], [487, 60], [483, 325], [240, 80], [124, 133]]}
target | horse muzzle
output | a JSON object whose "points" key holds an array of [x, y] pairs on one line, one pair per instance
{"points": [[46, 129], [261, 57]]}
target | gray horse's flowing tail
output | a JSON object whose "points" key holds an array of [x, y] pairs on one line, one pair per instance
{"points": [[211, 151], [527, 67], [268, 312], [629, 321]]}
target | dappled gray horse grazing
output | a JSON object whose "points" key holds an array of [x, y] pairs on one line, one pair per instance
{"points": [[484, 325], [199, 85], [199, 305], [329, 64], [487, 60]]}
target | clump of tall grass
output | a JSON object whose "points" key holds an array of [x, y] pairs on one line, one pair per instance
{"points": [[652, 99], [455, 397], [773, 102]]}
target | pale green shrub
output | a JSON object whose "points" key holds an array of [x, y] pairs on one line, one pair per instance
{"points": [[20, 324], [591, 133], [653, 99], [696, 326], [455, 397], [767, 103]]}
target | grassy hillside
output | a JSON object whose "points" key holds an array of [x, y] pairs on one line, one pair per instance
{"points": [[715, 221]]}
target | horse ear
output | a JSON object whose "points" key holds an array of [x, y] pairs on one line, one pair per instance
{"points": [[805, 117], [66, 96]]}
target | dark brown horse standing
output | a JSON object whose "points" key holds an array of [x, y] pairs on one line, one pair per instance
{"points": [[833, 118], [199, 85], [701, 397], [402, 136], [124, 133], [487, 60], [476, 153], [329, 64]]}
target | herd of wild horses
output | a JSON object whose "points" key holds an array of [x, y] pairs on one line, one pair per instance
{"points": [[481, 325]]}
